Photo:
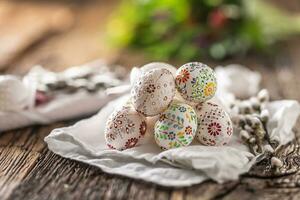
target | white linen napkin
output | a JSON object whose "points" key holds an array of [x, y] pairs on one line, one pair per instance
{"points": [[179, 167], [13, 116]]}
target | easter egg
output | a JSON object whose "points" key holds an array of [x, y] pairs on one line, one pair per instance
{"points": [[159, 65], [153, 92], [176, 126], [125, 128], [196, 82], [214, 124], [137, 72]]}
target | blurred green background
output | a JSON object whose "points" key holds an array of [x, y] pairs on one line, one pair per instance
{"points": [[191, 29], [62, 33]]}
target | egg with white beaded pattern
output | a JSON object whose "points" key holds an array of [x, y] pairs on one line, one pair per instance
{"points": [[176, 126], [159, 65], [153, 92], [196, 82], [125, 128], [214, 124]]}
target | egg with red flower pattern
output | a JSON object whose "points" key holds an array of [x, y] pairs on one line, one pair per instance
{"points": [[176, 126], [125, 128], [196, 82], [214, 124], [153, 92]]}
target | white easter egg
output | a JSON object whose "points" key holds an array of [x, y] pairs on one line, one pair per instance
{"points": [[153, 92], [196, 82], [125, 128], [214, 124], [136, 72], [159, 65], [176, 126]]}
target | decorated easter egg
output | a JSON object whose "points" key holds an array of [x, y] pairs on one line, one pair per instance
{"points": [[176, 126], [153, 92], [196, 82], [137, 72], [214, 124], [159, 65], [125, 128]]}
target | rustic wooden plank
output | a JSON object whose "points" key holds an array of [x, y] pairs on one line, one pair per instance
{"points": [[138, 191], [289, 72], [267, 185], [48, 176], [24, 24], [204, 191], [148, 191], [257, 189], [53, 173], [19, 151], [209, 190], [118, 189], [178, 194], [84, 42], [55, 177]]}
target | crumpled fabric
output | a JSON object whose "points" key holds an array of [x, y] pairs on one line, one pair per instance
{"points": [[185, 166], [14, 116]]}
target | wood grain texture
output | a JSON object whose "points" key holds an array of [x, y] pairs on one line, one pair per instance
{"points": [[28, 170], [83, 42], [19, 151], [53, 177], [22, 25]]}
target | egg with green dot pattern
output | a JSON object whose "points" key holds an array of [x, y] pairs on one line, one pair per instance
{"points": [[196, 82], [176, 126]]}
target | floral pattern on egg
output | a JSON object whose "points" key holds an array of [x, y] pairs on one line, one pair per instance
{"points": [[196, 82], [214, 124], [153, 92], [159, 65], [125, 128], [176, 126]]}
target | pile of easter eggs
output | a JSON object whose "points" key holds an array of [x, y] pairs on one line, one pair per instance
{"points": [[182, 101]]}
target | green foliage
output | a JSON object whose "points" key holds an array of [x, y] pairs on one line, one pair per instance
{"points": [[187, 29]]}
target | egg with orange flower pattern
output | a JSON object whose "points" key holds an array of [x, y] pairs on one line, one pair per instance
{"points": [[125, 128], [214, 124], [153, 92], [196, 82]]}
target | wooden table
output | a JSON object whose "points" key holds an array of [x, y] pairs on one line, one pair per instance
{"points": [[28, 170]]}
